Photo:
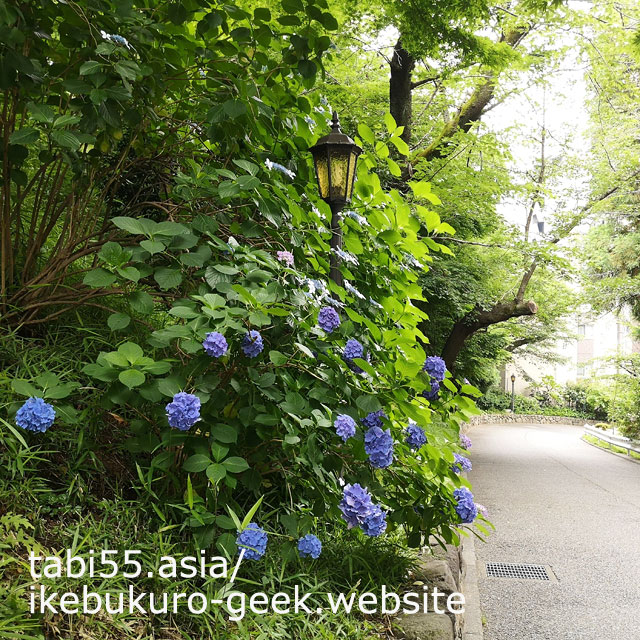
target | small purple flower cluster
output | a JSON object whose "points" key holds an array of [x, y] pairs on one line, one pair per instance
{"points": [[345, 426], [253, 540], [35, 415], [415, 436], [358, 510], [460, 463], [183, 411], [466, 508], [435, 367], [328, 319], [378, 445], [286, 257], [215, 344], [309, 546], [374, 419], [465, 441]]}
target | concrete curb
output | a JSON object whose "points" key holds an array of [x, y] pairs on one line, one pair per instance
{"points": [[472, 629]]}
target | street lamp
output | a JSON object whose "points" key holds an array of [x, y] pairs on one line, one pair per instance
{"points": [[335, 157], [513, 391]]}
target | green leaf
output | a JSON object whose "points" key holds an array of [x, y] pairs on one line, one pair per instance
{"points": [[61, 391], [131, 351], [184, 312], [252, 512], [24, 388], [400, 145], [90, 67], [152, 246], [99, 278], [196, 463], [218, 451], [226, 543], [136, 226], [130, 273], [131, 378], [65, 121], [216, 472], [249, 167], [235, 464], [277, 358], [234, 108], [117, 321], [368, 404], [141, 302], [365, 133], [26, 135], [226, 269], [66, 139], [167, 278], [390, 121], [127, 69], [423, 190], [225, 433], [41, 112]]}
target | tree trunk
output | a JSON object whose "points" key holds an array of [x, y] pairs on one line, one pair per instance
{"points": [[471, 111], [480, 319], [402, 65]]}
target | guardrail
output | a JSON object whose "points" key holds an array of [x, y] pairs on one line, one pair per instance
{"points": [[618, 441]]}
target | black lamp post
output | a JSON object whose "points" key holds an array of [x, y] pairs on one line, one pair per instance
{"points": [[513, 391], [335, 157]]}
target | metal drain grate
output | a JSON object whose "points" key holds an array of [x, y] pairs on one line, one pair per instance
{"points": [[522, 571]]}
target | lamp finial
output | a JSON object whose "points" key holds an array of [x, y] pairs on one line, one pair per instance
{"points": [[335, 123]]}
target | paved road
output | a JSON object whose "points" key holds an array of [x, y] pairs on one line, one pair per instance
{"points": [[558, 501]]}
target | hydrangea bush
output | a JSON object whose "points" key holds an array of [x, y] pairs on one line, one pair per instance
{"points": [[261, 378], [280, 381]]}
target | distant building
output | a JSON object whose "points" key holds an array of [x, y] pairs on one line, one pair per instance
{"points": [[598, 338]]}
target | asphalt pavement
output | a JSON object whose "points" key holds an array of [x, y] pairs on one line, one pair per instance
{"points": [[559, 502]]}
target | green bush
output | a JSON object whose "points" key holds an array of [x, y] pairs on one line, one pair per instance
{"points": [[200, 253]]}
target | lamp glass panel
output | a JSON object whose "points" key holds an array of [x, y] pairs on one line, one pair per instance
{"points": [[322, 172], [339, 173], [353, 159]]}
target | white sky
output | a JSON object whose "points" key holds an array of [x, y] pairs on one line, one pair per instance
{"points": [[520, 118]]}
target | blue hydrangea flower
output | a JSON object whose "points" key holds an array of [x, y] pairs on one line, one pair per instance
{"points": [[379, 446], [35, 415], [375, 523], [465, 441], [416, 436], [309, 546], [353, 349], [435, 367], [435, 391], [465, 507], [328, 319], [254, 540], [252, 344], [460, 463], [184, 411], [345, 426], [356, 505], [215, 344], [374, 419]]}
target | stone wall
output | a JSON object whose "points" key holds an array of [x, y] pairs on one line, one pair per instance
{"points": [[521, 418], [439, 568]]}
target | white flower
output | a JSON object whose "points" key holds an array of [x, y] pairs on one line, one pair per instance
{"points": [[278, 167], [351, 289]]}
